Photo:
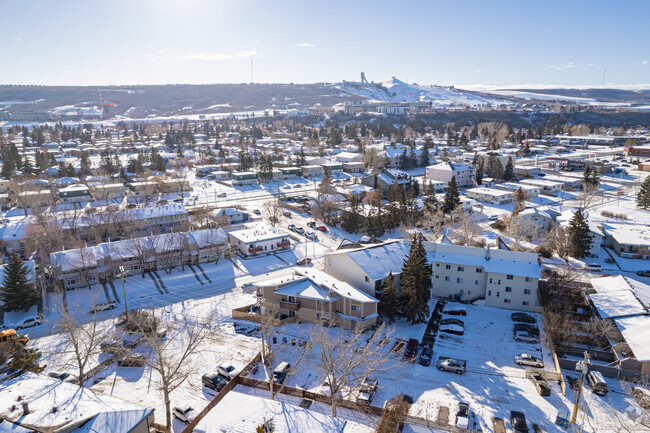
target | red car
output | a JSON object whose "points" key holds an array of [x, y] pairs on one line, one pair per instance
{"points": [[322, 228], [411, 350]]}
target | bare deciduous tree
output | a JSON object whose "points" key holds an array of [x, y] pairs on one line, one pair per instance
{"points": [[273, 210]]}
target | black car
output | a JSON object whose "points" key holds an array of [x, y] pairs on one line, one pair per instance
{"points": [[425, 357], [532, 329], [214, 381], [523, 318], [518, 421], [452, 321], [311, 224]]}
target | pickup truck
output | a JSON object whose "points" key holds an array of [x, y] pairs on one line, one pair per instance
{"points": [[452, 365]]}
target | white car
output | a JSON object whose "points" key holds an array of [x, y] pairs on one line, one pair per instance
{"points": [[29, 322], [526, 359], [594, 267], [525, 337], [184, 413], [103, 306], [227, 370], [452, 329]]}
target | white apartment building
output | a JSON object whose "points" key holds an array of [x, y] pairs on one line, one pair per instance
{"points": [[533, 191], [490, 195], [505, 279], [465, 174], [259, 238], [544, 185]]}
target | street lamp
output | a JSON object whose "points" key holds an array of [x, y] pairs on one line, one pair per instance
{"points": [[126, 310]]}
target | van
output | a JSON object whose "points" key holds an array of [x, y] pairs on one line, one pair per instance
{"points": [[595, 267], [281, 371], [597, 383]]}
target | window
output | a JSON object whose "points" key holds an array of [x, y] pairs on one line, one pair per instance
{"points": [[498, 281], [509, 277], [490, 280], [489, 292], [528, 279], [526, 291], [508, 289], [447, 266], [437, 276], [447, 278], [524, 303], [479, 270], [438, 265], [461, 269], [367, 279], [459, 280], [71, 282], [476, 283], [506, 301], [497, 294], [355, 308]]}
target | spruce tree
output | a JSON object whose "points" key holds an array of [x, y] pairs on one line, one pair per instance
{"points": [[17, 293], [23, 359], [416, 283], [520, 197], [389, 304], [643, 196], [353, 222], [430, 200], [509, 172], [479, 172], [452, 197], [579, 239]]}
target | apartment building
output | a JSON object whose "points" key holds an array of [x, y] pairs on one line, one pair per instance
{"points": [[314, 296], [490, 195], [505, 279], [259, 238], [465, 174], [84, 267]]}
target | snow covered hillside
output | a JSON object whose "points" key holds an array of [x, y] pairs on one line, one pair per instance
{"points": [[394, 90]]}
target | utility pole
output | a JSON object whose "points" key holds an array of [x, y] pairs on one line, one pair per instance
{"points": [[582, 366], [126, 310]]}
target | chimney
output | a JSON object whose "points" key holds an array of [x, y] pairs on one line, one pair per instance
{"points": [[487, 252], [25, 408]]}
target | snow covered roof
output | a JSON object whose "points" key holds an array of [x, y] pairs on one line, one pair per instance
{"points": [[451, 166], [341, 288], [620, 296], [207, 237], [636, 331], [257, 232], [243, 413], [378, 261], [305, 288], [629, 234], [74, 404], [115, 421], [498, 265]]}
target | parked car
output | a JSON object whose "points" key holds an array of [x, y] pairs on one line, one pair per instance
{"points": [[222, 195], [425, 357], [527, 327], [311, 236], [29, 322], [523, 318], [112, 346], [281, 372], [457, 366], [322, 228], [493, 217], [457, 310], [452, 321], [257, 212], [366, 391], [292, 227], [300, 230], [451, 329], [525, 337], [184, 413], [594, 267], [58, 375], [303, 261], [214, 381], [411, 351], [644, 273], [518, 421], [311, 224], [462, 415], [103, 306], [227, 370], [542, 386], [597, 383], [530, 360], [131, 360]]}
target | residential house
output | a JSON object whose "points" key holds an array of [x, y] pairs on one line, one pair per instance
{"points": [[631, 241], [387, 178], [443, 172], [74, 194], [243, 177], [258, 238], [490, 195]]}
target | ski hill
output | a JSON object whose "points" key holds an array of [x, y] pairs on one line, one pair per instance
{"points": [[395, 90]]}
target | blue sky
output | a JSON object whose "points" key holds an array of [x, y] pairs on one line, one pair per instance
{"points": [[492, 43]]}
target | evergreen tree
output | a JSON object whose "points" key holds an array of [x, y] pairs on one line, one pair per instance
{"points": [[452, 197], [245, 161], [84, 164], [389, 303], [509, 172], [23, 359], [430, 200], [300, 161], [27, 166], [643, 196], [520, 197], [579, 239], [494, 168], [586, 177], [479, 172], [17, 293], [353, 222], [424, 158], [416, 283], [265, 172]]}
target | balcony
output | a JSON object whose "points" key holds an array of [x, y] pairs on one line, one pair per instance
{"points": [[283, 244], [254, 250], [291, 306]]}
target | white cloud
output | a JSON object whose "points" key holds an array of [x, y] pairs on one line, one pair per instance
{"points": [[210, 57], [304, 45], [250, 53], [569, 65], [19, 40], [645, 62]]}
